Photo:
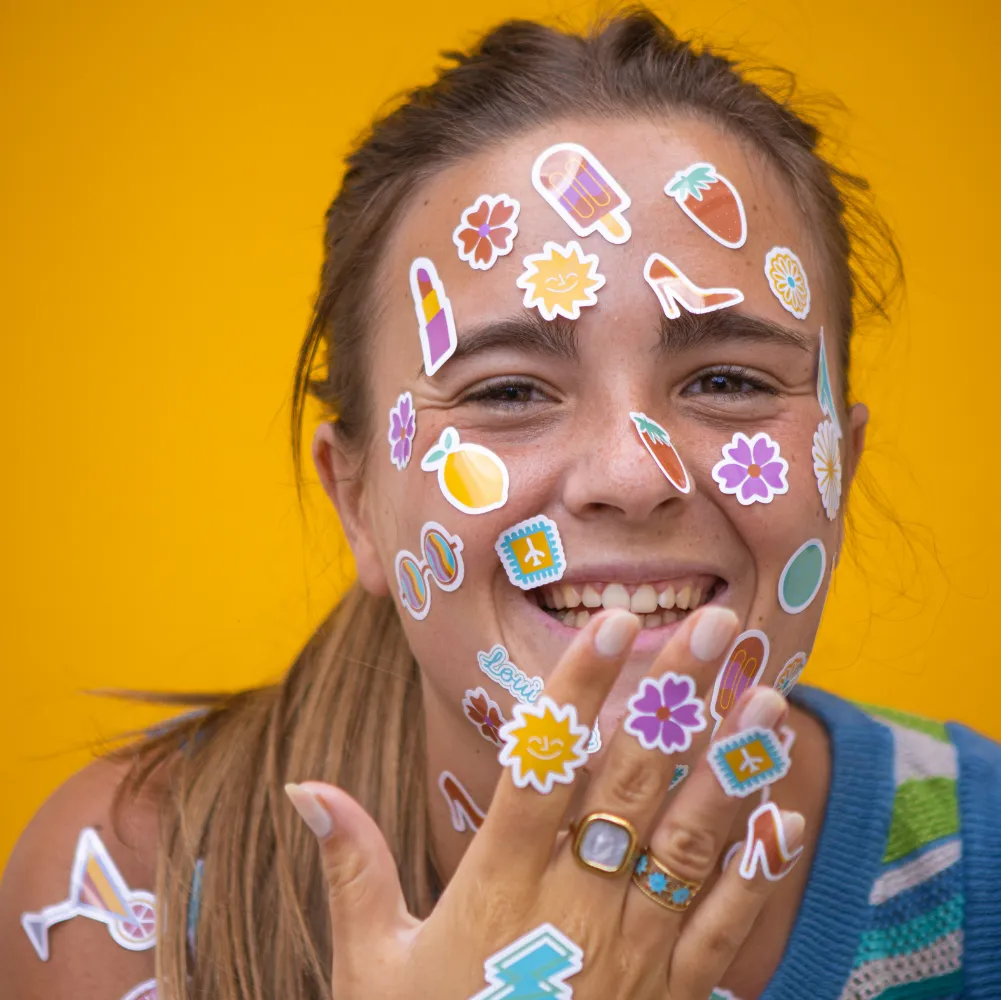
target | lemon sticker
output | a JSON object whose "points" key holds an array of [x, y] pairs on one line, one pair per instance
{"points": [[472, 478]]}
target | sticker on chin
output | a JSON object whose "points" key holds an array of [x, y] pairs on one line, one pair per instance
{"points": [[752, 469]]}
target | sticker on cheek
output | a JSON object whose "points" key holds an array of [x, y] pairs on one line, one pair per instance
{"points": [[825, 396], [747, 761], [787, 280], [471, 478], [657, 441], [537, 965], [544, 744], [827, 466], [487, 230], [484, 713], [532, 552], [765, 846], [560, 281], [742, 669], [803, 576], [585, 195], [789, 674], [441, 562], [402, 427], [144, 991], [665, 712], [464, 813], [674, 289], [711, 202], [498, 667], [752, 469], [434, 315]]}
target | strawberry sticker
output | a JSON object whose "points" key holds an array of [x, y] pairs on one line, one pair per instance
{"points": [[711, 202], [658, 443]]}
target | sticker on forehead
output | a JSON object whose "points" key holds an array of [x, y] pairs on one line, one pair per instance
{"points": [[826, 453], [674, 289], [535, 966], [787, 280], [586, 196], [711, 202], [484, 713], [498, 667], [748, 760], [434, 315], [402, 427], [462, 810], [789, 674], [560, 281], [657, 441], [752, 469], [487, 230], [765, 846], [665, 712], [802, 577], [532, 552], [441, 562], [741, 669], [825, 395], [544, 744], [472, 478]]}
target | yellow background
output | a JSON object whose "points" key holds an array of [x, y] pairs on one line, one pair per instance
{"points": [[164, 173]]}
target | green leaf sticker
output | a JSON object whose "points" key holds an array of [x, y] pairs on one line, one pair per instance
{"points": [[692, 182], [433, 458]]}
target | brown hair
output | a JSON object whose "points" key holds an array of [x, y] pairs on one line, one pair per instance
{"points": [[349, 710]]}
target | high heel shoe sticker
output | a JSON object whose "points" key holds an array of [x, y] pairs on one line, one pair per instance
{"points": [[673, 288]]}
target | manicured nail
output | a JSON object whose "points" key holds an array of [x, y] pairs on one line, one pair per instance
{"points": [[714, 628], [615, 634], [309, 807], [793, 826], [765, 708]]}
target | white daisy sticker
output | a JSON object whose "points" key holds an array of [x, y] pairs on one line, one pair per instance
{"points": [[827, 466]]}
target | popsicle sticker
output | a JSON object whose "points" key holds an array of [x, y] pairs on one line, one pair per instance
{"points": [[462, 810], [561, 280], [766, 847], [434, 314], [582, 191], [657, 441], [711, 202], [472, 478], [787, 280], [487, 230], [672, 287], [97, 891], [741, 669]]}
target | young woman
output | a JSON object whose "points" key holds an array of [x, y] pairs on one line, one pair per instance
{"points": [[598, 292]]}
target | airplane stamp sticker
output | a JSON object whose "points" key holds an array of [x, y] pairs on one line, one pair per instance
{"points": [[535, 967], [748, 760], [544, 744], [531, 552], [711, 202]]}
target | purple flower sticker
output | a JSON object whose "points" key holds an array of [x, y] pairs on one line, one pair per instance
{"points": [[402, 427], [664, 713], [752, 469]]}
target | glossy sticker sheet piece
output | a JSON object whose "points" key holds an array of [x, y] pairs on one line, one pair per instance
{"points": [[487, 230], [765, 846], [586, 196], [144, 991], [825, 395], [594, 740], [434, 315], [749, 760], [787, 280], [752, 469], [402, 428], [532, 552], [560, 281], [674, 289], [497, 665], [471, 478], [803, 576], [711, 202], [484, 713], [465, 814], [97, 891], [665, 712], [789, 674], [827, 466], [534, 967], [657, 442], [442, 562], [742, 669], [544, 744]]}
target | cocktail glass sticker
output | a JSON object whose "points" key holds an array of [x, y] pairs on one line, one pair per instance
{"points": [[560, 281], [471, 478], [544, 744], [803, 576], [485, 714], [675, 289], [787, 280], [442, 563], [752, 469], [97, 891], [742, 669], [827, 466], [665, 712], [711, 202], [748, 761], [434, 315], [465, 814], [657, 441], [586, 196], [532, 552], [487, 230], [534, 967], [498, 667], [766, 847], [402, 427], [789, 674], [825, 395]]}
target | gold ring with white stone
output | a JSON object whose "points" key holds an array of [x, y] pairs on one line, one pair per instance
{"points": [[604, 843]]}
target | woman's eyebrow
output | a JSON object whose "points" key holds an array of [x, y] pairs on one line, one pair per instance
{"points": [[692, 330]]}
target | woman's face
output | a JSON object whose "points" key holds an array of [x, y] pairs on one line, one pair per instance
{"points": [[552, 400]]}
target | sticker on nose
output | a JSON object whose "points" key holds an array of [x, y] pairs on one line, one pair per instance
{"points": [[802, 577], [560, 281], [742, 669], [657, 442], [532, 552], [544, 744], [471, 478]]}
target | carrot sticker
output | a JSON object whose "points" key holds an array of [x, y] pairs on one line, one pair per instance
{"points": [[658, 442], [711, 202]]}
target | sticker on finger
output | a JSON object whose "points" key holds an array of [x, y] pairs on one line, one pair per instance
{"points": [[802, 577], [748, 761], [665, 713], [657, 442], [742, 669], [485, 714], [487, 230], [544, 744], [560, 281], [787, 281], [532, 552], [752, 469], [537, 965], [471, 478], [465, 814], [711, 202], [765, 848]]}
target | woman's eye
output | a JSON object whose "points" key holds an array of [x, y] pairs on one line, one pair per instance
{"points": [[507, 393], [730, 382]]}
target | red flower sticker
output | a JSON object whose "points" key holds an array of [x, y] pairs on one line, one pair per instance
{"points": [[487, 230], [484, 713]]}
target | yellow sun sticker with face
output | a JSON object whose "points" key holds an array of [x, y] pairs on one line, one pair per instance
{"points": [[543, 744], [560, 280]]}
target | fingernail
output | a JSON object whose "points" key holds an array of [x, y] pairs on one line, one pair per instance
{"points": [[615, 634], [309, 807], [765, 707], [712, 631], [793, 825]]}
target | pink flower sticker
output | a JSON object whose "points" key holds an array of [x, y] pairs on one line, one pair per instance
{"points": [[665, 712], [402, 427], [752, 469], [487, 230]]}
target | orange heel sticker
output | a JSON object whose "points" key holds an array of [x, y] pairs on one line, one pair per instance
{"points": [[766, 845], [674, 288], [463, 811]]}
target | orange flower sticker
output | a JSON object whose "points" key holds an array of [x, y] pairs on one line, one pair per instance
{"points": [[787, 280], [487, 230]]}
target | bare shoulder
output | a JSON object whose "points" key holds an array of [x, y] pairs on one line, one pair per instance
{"points": [[76, 913]]}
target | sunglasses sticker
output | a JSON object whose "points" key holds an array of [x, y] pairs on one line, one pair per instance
{"points": [[711, 202], [560, 281], [537, 965], [584, 194], [748, 761], [789, 674], [665, 712], [827, 466], [498, 667], [144, 991], [434, 315], [465, 814], [675, 289], [442, 563], [543, 745], [97, 891], [657, 441], [766, 847], [752, 469], [787, 280], [532, 552], [825, 396], [742, 669], [803, 576], [487, 230], [471, 478], [402, 427], [484, 713]]}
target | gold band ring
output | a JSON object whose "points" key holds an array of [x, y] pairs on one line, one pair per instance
{"points": [[665, 888], [604, 843]]}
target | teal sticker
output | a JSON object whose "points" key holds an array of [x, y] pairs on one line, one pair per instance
{"points": [[802, 577]]}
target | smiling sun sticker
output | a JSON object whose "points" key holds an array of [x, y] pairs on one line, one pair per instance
{"points": [[543, 745], [560, 280]]}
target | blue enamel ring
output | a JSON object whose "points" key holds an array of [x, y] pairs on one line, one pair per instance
{"points": [[660, 884]]}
